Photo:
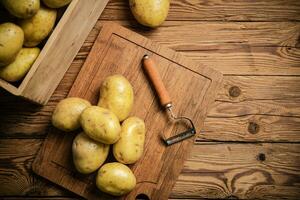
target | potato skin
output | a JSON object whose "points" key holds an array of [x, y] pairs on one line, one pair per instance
{"points": [[22, 9], [100, 124], [16, 70], [88, 154], [130, 146], [56, 3], [150, 13], [117, 95], [66, 115], [11, 40], [115, 178], [39, 26]]}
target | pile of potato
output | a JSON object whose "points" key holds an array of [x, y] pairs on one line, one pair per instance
{"points": [[24, 25], [101, 128]]}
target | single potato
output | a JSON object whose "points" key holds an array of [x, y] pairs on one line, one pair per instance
{"points": [[116, 94], [115, 179], [88, 155], [16, 70], [22, 9], [66, 115], [39, 26], [56, 3], [11, 41], [100, 124], [130, 146], [150, 13]]}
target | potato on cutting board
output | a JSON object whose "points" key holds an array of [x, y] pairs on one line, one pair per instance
{"points": [[67, 113], [88, 154], [130, 147], [116, 179], [100, 124], [116, 94]]}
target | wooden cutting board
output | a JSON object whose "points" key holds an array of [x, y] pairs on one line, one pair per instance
{"points": [[192, 88]]}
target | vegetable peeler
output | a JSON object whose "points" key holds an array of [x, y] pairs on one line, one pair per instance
{"points": [[166, 103]]}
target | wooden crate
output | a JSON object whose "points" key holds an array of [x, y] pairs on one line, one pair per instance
{"points": [[59, 51]]}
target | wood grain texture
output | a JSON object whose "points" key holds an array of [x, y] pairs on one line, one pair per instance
{"points": [[249, 60], [231, 48], [217, 10], [107, 58], [17, 178], [205, 35], [261, 171], [260, 99], [33, 121], [212, 170], [252, 128], [242, 88]]}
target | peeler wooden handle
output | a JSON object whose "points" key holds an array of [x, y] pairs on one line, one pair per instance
{"points": [[155, 78]]}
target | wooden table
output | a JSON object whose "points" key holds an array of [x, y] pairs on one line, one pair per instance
{"points": [[250, 144]]}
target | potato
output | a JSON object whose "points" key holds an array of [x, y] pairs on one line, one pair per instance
{"points": [[100, 124], [116, 94], [11, 41], [39, 26], [23, 8], [88, 155], [150, 13], [66, 115], [56, 3], [130, 146], [115, 179], [16, 70]]}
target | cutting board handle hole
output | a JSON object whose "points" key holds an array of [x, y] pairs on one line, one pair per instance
{"points": [[142, 197]]}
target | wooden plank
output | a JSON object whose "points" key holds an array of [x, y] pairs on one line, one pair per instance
{"points": [[213, 170], [251, 128], [249, 60], [247, 88], [249, 52], [15, 170], [221, 10], [250, 171], [178, 35], [255, 108], [272, 107]]}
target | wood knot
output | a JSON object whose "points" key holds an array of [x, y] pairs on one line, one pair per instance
{"points": [[253, 128], [261, 157], [234, 91]]}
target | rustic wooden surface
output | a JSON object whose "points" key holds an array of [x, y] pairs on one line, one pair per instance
{"points": [[191, 98], [250, 147]]}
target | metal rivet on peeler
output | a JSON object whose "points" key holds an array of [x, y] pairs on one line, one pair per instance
{"points": [[234, 91], [253, 128], [261, 157]]}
